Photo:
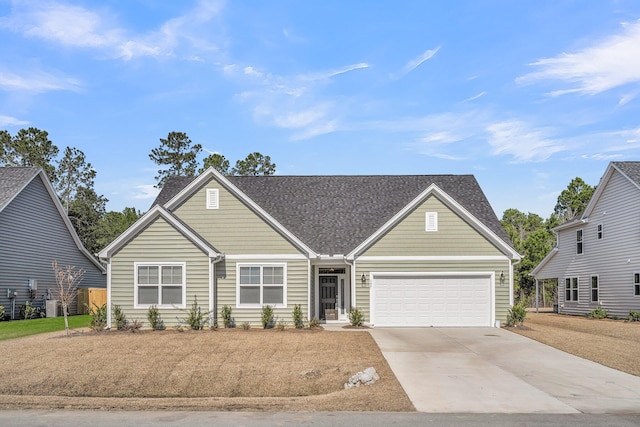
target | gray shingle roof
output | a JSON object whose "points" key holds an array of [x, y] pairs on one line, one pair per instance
{"points": [[631, 169], [12, 180], [334, 214]]}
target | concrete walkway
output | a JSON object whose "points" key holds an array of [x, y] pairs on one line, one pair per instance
{"points": [[489, 370]]}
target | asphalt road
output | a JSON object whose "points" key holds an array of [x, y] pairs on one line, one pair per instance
{"points": [[263, 419]]}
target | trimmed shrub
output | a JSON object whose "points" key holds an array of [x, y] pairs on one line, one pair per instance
{"points": [[98, 317], [266, 317], [120, 318], [155, 321], [356, 317], [298, 320], [516, 314], [598, 313], [227, 320]]}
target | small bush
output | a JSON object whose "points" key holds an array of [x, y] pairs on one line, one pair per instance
{"points": [[281, 325], [356, 317], [246, 326], [134, 326], [1, 312], [196, 319], [298, 320], [314, 323], [153, 316], [516, 314], [227, 320], [267, 317], [98, 317], [634, 316], [119, 317], [597, 313]]}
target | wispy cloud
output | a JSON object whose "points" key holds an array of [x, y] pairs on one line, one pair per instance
{"points": [[293, 102], [609, 63], [145, 192], [36, 81], [473, 98], [79, 27], [11, 121], [420, 59], [522, 142]]}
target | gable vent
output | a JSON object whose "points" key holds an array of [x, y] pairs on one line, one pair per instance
{"points": [[432, 221], [212, 198]]}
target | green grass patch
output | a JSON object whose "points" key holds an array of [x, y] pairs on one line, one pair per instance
{"points": [[23, 328]]}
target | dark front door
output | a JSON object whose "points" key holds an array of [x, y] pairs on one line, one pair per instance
{"points": [[328, 293]]}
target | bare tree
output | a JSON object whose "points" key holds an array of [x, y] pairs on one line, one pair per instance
{"points": [[67, 281]]}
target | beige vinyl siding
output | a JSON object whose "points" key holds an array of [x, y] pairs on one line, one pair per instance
{"points": [[159, 242], [496, 267], [233, 228], [614, 258], [297, 290], [454, 236]]}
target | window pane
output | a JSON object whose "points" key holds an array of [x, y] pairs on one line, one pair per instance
{"points": [[575, 295], [147, 275], [250, 275], [594, 295], [147, 295], [567, 294], [273, 275], [172, 275], [636, 278], [249, 294], [273, 295], [172, 295]]}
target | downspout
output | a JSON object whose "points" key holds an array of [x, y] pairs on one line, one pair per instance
{"points": [[214, 288]]}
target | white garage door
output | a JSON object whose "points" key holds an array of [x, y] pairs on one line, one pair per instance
{"points": [[445, 300]]}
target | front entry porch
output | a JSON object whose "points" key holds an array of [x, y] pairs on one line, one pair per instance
{"points": [[332, 294]]}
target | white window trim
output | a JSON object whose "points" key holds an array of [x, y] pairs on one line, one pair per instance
{"points": [[431, 221], [213, 198], [591, 288], [260, 264], [581, 241], [160, 264]]}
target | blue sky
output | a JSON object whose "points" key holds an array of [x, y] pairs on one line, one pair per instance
{"points": [[525, 95]]}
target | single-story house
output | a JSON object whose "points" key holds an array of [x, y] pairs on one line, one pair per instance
{"points": [[34, 231], [415, 250], [594, 260]]}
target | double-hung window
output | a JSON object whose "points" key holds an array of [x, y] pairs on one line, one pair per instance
{"points": [[160, 284], [636, 284], [594, 288], [571, 289], [579, 242], [600, 232], [262, 284]]}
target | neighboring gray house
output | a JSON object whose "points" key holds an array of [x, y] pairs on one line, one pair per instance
{"points": [[597, 258], [417, 250], [34, 231]]}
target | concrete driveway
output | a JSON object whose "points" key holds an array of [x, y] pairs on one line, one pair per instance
{"points": [[490, 370]]}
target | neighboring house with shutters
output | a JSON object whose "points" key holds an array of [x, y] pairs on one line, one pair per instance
{"points": [[596, 260], [34, 231], [406, 250]]}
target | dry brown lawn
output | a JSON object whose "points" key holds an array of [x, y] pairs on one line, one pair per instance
{"points": [[613, 343], [291, 370]]}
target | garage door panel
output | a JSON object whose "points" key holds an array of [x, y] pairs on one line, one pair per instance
{"points": [[432, 301]]}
